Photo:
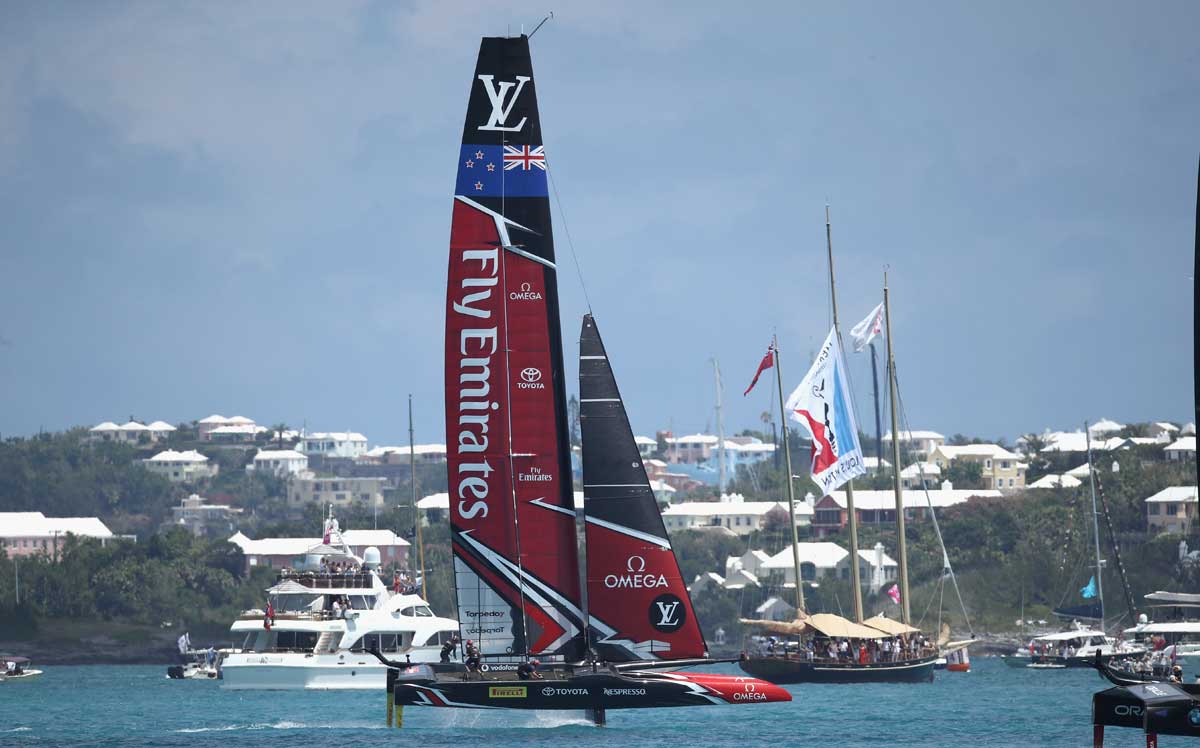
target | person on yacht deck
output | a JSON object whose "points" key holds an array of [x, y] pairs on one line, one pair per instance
{"points": [[336, 608]]}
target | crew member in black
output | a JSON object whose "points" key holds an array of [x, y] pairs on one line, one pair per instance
{"points": [[528, 670], [448, 648], [472, 657]]}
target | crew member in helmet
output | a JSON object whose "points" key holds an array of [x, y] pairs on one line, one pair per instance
{"points": [[472, 657], [528, 670], [1176, 675], [449, 647]]}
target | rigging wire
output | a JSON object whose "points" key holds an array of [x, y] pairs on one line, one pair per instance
{"points": [[903, 417], [562, 214]]}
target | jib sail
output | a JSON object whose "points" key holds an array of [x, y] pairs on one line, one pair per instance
{"points": [[516, 560], [638, 604]]}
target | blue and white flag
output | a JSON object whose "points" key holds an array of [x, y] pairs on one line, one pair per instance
{"points": [[822, 405], [1089, 591]]}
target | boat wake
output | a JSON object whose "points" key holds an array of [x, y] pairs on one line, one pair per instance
{"points": [[18, 729], [284, 725]]}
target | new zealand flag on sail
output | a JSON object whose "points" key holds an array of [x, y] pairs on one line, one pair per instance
{"points": [[501, 170]]}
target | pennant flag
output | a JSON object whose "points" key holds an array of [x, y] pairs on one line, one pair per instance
{"points": [[864, 331], [1089, 591], [894, 593], [767, 362], [821, 404]]}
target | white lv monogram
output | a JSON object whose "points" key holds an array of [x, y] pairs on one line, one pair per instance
{"points": [[666, 613], [496, 95]]}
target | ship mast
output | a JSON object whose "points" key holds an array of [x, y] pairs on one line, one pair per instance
{"points": [[853, 520], [791, 491], [720, 431], [1095, 525], [412, 478], [902, 541]]}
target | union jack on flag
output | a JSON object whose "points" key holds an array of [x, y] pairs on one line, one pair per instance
{"points": [[524, 157]]}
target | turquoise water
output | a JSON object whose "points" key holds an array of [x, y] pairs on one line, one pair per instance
{"points": [[131, 706]]}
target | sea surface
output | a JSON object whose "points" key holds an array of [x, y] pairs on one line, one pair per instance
{"points": [[137, 706]]}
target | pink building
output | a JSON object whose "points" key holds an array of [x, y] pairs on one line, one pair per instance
{"points": [[30, 533]]}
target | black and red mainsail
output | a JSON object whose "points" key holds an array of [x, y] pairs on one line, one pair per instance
{"points": [[638, 604], [512, 517]]}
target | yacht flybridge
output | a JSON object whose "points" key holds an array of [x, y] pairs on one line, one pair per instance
{"points": [[322, 621]]}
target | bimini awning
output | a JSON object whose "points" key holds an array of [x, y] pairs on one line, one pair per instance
{"points": [[836, 626], [888, 626], [1064, 636]]}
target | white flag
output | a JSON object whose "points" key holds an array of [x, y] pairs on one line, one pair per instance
{"points": [[822, 405], [184, 642], [866, 330]]}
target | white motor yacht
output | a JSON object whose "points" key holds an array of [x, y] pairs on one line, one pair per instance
{"points": [[322, 625], [1077, 647], [1174, 626], [16, 668]]}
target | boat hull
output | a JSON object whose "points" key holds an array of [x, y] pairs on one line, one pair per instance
{"points": [[589, 691], [790, 670], [275, 673]]}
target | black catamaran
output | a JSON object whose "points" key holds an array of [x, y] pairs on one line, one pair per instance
{"points": [[513, 521]]}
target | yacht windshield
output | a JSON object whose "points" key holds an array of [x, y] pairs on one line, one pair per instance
{"points": [[417, 611]]}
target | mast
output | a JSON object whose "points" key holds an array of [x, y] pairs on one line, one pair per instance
{"points": [[720, 430], [1095, 524], [791, 491], [853, 520], [878, 429], [902, 540], [412, 478]]}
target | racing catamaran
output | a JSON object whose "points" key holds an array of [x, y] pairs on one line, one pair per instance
{"points": [[513, 521]]}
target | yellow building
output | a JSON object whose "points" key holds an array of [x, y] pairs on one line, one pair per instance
{"points": [[1002, 470]]}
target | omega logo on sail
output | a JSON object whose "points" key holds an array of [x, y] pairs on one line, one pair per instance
{"points": [[525, 294], [635, 578], [476, 346]]}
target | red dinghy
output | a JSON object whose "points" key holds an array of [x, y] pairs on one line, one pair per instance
{"points": [[512, 514]]}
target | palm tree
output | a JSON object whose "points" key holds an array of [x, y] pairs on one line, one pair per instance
{"points": [[279, 428]]}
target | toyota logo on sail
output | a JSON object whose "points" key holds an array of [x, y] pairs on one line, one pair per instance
{"points": [[531, 379], [635, 576]]}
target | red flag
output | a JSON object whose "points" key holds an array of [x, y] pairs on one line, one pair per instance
{"points": [[894, 593], [269, 616], [767, 362]]}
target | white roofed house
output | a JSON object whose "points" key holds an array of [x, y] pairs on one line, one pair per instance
{"points": [[1001, 469], [1056, 481], [1163, 431], [181, 467], [279, 462], [691, 448], [732, 514], [421, 454], [920, 443], [1104, 427], [32, 533], [1172, 510], [434, 508], [1183, 448], [203, 519], [346, 444], [106, 432], [706, 583], [921, 475], [341, 490], [131, 432], [775, 609], [825, 560], [646, 446], [875, 507], [232, 429], [1065, 441], [874, 464]]}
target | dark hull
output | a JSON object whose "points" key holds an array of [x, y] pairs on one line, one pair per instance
{"points": [[589, 691], [789, 670]]}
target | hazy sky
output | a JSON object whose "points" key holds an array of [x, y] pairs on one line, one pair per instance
{"points": [[244, 208]]}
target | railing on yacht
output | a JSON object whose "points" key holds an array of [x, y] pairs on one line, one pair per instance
{"points": [[327, 580]]}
